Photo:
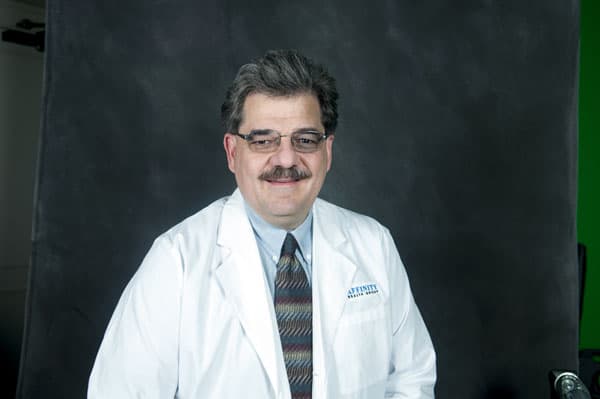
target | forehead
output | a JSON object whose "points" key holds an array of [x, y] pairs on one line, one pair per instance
{"points": [[281, 113]]}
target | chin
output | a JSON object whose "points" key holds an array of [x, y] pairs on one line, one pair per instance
{"points": [[286, 211]]}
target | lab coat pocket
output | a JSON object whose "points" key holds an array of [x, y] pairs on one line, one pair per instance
{"points": [[362, 350]]}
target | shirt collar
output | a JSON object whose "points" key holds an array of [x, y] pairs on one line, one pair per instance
{"points": [[273, 236]]}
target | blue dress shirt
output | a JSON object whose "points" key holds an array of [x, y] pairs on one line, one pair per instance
{"points": [[270, 239]]}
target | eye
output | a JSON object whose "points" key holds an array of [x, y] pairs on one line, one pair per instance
{"points": [[260, 141], [263, 140], [306, 139]]}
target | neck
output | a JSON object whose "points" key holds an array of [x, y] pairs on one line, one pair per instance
{"points": [[287, 223]]}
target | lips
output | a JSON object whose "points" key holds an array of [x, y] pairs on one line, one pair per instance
{"points": [[284, 175], [282, 181]]}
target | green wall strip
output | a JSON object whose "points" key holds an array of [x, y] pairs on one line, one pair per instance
{"points": [[588, 213]]}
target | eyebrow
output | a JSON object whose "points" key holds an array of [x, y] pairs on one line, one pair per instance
{"points": [[262, 132], [307, 130]]}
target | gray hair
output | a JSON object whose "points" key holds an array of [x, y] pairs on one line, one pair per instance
{"points": [[281, 73]]}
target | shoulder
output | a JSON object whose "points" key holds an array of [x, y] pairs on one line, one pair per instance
{"points": [[347, 220], [190, 242], [201, 227], [208, 216], [344, 216]]}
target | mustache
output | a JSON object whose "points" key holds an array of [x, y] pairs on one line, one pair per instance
{"points": [[278, 173]]}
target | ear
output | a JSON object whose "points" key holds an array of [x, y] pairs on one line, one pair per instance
{"points": [[329, 149], [229, 142]]}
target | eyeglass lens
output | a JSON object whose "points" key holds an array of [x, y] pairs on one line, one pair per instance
{"points": [[269, 140]]}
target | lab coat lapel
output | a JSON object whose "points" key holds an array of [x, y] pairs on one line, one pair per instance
{"points": [[242, 278], [333, 271]]}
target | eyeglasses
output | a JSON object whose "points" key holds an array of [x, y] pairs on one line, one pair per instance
{"points": [[266, 141]]}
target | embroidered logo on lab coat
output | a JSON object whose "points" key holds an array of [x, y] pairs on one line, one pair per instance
{"points": [[362, 290]]}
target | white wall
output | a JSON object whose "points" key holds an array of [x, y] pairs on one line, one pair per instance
{"points": [[21, 70]]}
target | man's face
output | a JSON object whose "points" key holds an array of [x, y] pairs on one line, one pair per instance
{"points": [[281, 201]]}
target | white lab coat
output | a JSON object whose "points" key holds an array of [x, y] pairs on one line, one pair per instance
{"points": [[197, 319]]}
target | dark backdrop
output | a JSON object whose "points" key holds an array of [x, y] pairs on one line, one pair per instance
{"points": [[457, 131]]}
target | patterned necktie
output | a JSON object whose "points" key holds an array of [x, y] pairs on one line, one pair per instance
{"points": [[293, 308]]}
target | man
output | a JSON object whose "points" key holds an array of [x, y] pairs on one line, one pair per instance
{"points": [[271, 292]]}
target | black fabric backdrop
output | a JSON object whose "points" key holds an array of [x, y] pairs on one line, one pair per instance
{"points": [[458, 131]]}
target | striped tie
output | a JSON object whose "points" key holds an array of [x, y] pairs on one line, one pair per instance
{"points": [[293, 307]]}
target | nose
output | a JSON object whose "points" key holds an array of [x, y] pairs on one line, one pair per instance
{"points": [[285, 156]]}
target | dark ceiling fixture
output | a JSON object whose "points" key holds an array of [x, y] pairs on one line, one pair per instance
{"points": [[30, 34]]}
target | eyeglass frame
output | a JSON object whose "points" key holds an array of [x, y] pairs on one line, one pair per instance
{"points": [[249, 136]]}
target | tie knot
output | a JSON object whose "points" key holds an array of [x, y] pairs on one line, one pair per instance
{"points": [[289, 245]]}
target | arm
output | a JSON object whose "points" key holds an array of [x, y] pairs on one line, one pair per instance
{"points": [[138, 356], [412, 369]]}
